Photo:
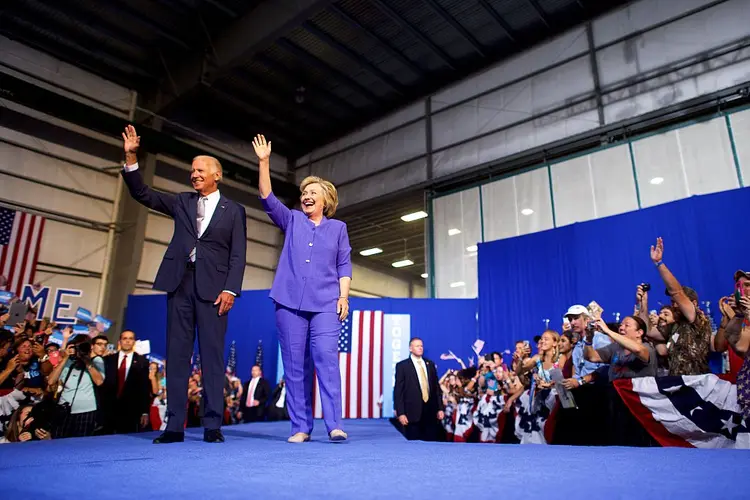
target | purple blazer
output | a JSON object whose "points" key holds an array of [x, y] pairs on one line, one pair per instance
{"points": [[312, 260]]}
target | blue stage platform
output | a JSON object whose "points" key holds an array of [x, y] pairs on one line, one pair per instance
{"points": [[257, 463]]}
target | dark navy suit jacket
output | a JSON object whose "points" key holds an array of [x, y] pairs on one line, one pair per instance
{"points": [[220, 251]]}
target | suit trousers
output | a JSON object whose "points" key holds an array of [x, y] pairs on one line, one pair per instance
{"points": [[186, 312], [426, 428], [308, 339]]}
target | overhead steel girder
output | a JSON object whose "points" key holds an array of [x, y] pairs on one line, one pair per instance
{"points": [[78, 113], [448, 18], [498, 20], [540, 12], [354, 57], [398, 19], [249, 34], [385, 44]]}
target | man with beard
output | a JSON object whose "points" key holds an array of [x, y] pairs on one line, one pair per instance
{"points": [[689, 336], [659, 326]]}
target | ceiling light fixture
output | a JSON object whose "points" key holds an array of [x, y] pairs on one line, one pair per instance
{"points": [[425, 275], [472, 248], [403, 263], [457, 284], [414, 216], [657, 180], [453, 232], [527, 211], [371, 251]]}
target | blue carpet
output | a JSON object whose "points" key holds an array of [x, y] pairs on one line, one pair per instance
{"points": [[256, 462]]}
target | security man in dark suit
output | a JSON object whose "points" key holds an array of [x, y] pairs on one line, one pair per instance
{"points": [[417, 396]]}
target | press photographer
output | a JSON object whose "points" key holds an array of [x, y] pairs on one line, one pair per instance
{"points": [[77, 404]]}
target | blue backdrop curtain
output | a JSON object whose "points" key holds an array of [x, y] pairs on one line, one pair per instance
{"points": [[442, 324], [524, 280]]}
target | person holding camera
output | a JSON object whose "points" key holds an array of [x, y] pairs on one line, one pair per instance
{"points": [[78, 374], [689, 337]]}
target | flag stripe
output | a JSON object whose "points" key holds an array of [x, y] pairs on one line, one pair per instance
{"points": [[371, 378], [378, 365], [19, 258], [360, 367], [364, 342]]}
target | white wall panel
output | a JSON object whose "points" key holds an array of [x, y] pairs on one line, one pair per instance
{"points": [[89, 288], [594, 186], [257, 279], [639, 16], [707, 157], [262, 255], [376, 283], [13, 137], [532, 192], [658, 93], [656, 157], [499, 209], [456, 254], [741, 130], [151, 257], [573, 191], [72, 246], [63, 74], [675, 41], [515, 140], [387, 182], [561, 48], [517, 102], [395, 147], [404, 115], [55, 200], [613, 181], [22, 162]]}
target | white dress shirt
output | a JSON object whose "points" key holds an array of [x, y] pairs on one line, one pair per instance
{"points": [[251, 391], [212, 201], [128, 362], [417, 363]]}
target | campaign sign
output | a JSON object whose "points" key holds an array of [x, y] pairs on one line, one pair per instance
{"points": [[84, 315]]}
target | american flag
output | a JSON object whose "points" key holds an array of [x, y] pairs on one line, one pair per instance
{"points": [[20, 239], [361, 365]]}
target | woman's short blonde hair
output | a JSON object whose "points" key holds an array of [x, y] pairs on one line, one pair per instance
{"points": [[330, 195]]}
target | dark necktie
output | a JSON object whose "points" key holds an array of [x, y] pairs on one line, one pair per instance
{"points": [[121, 375]]}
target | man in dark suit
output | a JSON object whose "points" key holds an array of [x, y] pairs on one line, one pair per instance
{"points": [[202, 273], [254, 396], [126, 388], [417, 397]]}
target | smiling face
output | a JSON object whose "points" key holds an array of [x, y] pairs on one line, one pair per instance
{"points": [[565, 345], [205, 174], [630, 328], [24, 351], [313, 200], [547, 342]]}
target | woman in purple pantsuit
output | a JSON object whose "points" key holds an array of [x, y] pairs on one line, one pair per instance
{"points": [[311, 291]]}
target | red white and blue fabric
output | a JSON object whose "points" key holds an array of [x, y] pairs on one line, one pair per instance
{"points": [[534, 418], [463, 420], [360, 349], [489, 417], [694, 411]]}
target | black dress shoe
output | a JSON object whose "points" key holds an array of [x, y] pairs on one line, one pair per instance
{"points": [[167, 437], [213, 436]]}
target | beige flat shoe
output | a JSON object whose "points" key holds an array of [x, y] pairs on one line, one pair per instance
{"points": [[300, 437], [338, 435]]}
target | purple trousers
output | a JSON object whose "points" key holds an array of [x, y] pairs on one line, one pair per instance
{"points": [[308, 339]]}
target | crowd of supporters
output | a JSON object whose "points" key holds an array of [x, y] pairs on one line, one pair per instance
{"points": [[82, 385], [69, 385], [572, 374]]}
